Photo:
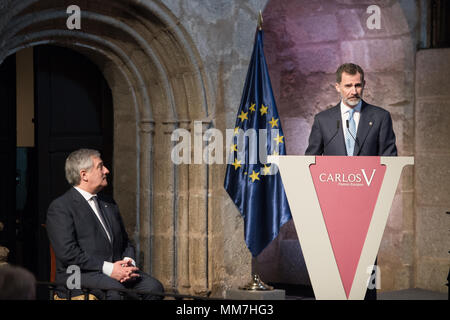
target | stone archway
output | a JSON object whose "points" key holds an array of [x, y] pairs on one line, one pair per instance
{"points": [[305, 41], [158, 85]]}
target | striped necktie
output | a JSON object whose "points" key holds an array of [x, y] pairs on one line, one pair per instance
{"points": [[351, 134]]}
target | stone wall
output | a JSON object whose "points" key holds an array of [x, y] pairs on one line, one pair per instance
{"points": [[223, 33], [432, 169]]}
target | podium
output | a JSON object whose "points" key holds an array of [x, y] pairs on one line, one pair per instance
{"points": [[340, 206]]}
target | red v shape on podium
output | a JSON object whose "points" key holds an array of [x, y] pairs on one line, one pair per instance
{"points": [[340, 206], [347, 192]]}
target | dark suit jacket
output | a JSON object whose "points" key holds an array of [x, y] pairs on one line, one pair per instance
{"points": [[78, 238], [375, 136]]}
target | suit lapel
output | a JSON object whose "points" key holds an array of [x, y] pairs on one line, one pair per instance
{"points": [[366, 122], [85, 208], [340, 134]]}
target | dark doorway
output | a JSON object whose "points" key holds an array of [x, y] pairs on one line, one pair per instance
{"points": [[8, 153], [440, 25], [73, 109]]}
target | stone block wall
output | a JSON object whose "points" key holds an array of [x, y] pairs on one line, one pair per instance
{"points": [[432, 169]]}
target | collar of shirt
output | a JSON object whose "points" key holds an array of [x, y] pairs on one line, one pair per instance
{"points": [[345, 109], [88, 196]]}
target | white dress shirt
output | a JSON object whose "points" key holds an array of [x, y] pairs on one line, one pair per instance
{"points": [[345, 115], [88, 196], [107, 266]]}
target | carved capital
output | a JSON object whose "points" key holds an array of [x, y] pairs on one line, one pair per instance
{"points": [[147, 126]]}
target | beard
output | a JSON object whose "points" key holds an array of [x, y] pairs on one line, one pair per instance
{"points": [[352, 102]]}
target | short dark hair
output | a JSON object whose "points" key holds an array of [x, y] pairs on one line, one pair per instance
{"points": [[349, 68]]}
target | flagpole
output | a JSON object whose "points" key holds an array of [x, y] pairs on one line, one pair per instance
{"points": [[255, 283], [260, 20]]}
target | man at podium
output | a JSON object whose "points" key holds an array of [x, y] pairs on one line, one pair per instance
{"points": [[352, 127]]}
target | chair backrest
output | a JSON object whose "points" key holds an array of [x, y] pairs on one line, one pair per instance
{"points": [[52, 264], [52, 260]]}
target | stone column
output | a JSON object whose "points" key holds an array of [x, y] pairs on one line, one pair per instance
{"points": [[198, 216], [187, 239], [164, 208], [144, 247], [182, 227]]}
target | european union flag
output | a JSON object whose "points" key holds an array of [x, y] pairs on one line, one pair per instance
{"points": [[255, 186]]}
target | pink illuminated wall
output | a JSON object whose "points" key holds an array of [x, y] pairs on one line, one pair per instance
{"points": [[305, 42]]}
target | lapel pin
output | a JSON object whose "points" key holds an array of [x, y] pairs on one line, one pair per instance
{"points": [[370, 123]]}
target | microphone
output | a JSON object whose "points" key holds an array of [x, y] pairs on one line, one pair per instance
{"points": [[338, 125], [348, 130]]}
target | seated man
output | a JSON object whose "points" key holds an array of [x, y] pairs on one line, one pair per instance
{"points": [[87, 231]]}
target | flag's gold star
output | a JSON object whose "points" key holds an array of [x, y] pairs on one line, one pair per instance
{"points": [[243, 116], [236, 164], [266, 170], [233, 147], [263, 110], [279, 139], [236, 130], [275, 153], [252, 107], [254, 176], [274, 122]]}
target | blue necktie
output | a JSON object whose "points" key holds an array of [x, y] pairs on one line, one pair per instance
{"points": [[351, 135]]}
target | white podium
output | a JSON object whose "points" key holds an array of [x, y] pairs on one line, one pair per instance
{"points": [[340, 206]]}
